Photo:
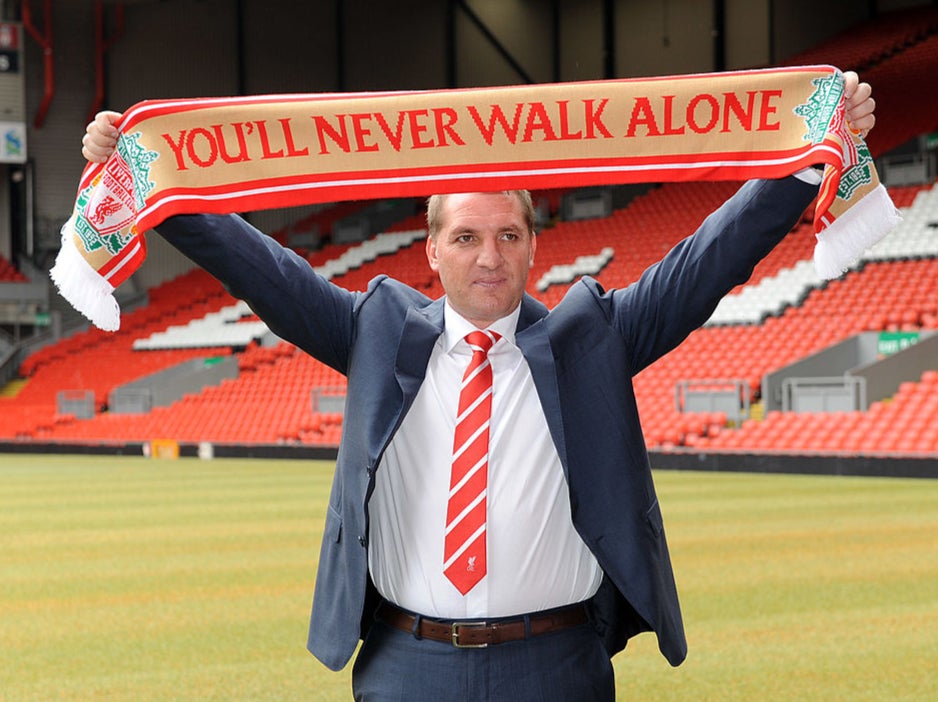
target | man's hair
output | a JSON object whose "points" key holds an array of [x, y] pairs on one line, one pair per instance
{"points": [[435, 210]]}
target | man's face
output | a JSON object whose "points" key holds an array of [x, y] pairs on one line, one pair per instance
{"points": [[482, 253]]}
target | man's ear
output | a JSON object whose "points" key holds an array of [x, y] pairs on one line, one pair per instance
{"points": [[431, 254]]}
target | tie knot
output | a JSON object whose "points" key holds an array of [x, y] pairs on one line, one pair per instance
{"points": [[481, 340]]}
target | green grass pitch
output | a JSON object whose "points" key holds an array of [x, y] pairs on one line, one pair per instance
{"points": [[127, 579]]}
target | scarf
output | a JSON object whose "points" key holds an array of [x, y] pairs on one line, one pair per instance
{"points": [[248, 153]]}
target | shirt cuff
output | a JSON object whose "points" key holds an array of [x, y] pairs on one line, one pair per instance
{"points": [[810, 175]]}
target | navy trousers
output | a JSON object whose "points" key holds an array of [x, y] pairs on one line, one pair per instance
{"points": [[564, 666]]}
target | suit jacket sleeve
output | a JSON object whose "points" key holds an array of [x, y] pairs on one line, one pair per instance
{"points": [[281, 287], [678, 294]]}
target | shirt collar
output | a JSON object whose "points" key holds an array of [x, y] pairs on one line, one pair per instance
{"points": [[456, 327]]}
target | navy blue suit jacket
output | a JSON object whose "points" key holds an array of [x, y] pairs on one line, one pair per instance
{"points": [[582, 356]]}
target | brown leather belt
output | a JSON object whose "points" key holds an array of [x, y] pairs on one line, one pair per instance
{"points": [[467, 634]]}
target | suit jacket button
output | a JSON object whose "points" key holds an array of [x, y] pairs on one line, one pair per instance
{"points": [[363, 541]]}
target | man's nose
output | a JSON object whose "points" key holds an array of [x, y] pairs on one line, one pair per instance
{"points": [[489, 254]]}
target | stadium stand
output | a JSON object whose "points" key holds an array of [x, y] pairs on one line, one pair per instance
{"points": [[874, 43], [9, 273], [784, 314]]}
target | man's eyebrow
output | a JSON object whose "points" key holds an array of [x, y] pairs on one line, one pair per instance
{"points": [[469, 229]]}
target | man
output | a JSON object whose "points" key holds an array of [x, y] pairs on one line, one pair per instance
{"points": [[512, 561]]}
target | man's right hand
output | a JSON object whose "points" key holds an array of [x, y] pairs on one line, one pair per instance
{"points": [[100, 137]]}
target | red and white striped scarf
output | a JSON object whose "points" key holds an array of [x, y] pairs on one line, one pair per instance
{"points": [[249, 153]]}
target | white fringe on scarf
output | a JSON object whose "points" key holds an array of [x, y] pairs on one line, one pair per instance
{"points": [[868, 221], [82, 286]]}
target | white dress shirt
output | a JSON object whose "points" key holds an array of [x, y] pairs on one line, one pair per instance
{"points": [[536, 559]]}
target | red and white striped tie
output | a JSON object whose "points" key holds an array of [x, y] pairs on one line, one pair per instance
{"points": [[464, 555]]}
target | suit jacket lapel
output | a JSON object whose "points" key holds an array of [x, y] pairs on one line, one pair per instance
{"points": [[533, 340], [422, 327]]}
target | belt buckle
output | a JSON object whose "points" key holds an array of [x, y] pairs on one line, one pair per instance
{"points": [[455, 631]]}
